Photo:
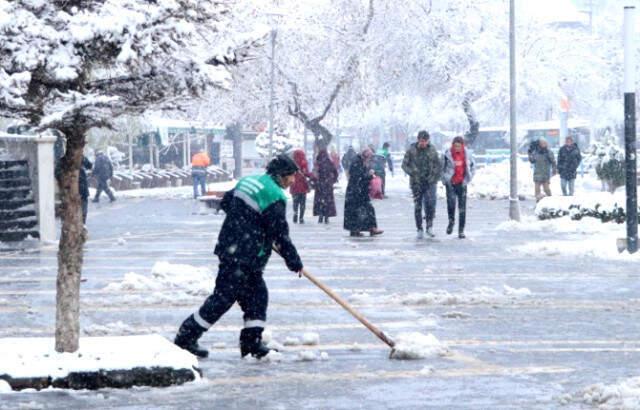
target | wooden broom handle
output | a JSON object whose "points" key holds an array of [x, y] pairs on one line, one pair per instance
{"points": [[379, 333]]}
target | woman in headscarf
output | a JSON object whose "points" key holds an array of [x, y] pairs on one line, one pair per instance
{"points": [[326, 174], [359, 215], [300, 187]]}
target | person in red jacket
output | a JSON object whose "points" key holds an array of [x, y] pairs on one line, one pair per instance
{"points": [[300, 187], [458, 172]]}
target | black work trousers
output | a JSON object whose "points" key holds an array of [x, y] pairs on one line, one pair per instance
{"points": [[235, 284]]}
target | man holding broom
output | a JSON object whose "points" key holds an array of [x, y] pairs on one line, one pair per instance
{"points": [[255, 222]]}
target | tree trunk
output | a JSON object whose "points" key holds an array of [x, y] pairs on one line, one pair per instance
{"points": [[474, 126], [70, 250]]}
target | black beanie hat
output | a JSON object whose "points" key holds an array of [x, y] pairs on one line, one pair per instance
{"points": [[423, 135], [281, 165]]}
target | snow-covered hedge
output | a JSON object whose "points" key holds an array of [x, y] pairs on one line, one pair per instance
{"points": [[601, 205]]}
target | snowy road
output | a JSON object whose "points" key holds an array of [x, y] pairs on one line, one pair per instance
{"points": [[509, 347]]}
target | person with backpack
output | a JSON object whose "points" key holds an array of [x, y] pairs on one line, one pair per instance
{"points": [[255, 223], [458, 170], [544, 167], [381, 160], [569, 159]]}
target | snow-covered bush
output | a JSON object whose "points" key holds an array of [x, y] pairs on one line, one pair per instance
{"points": [[608, 160], [599, 205]]}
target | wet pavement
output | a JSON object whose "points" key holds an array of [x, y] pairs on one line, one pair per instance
{"points": [[577, 327]]}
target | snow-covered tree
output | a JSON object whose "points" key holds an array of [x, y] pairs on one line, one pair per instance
{"points": [[76, 65]]}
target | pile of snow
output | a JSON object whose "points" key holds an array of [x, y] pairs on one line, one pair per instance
{"points": [[414, 346], [193, 280], [492, 181], [602, 246], [310, 339], [601, 205], [311, 356], [479, 295], [5, 387], [114, 328], [623, 395], [36, 357]]}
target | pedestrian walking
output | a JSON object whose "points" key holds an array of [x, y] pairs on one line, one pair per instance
{"points": [[544, 167], [458, 170], [382, 160], [325, 176], [300, 187], [83, 187], [422, 163], [199, 163], [347, 159], [255, 221], [359, 214], [569, 159], [103, 171]]}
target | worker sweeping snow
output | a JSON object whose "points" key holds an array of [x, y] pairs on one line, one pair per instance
{"points": [[255, 222]]}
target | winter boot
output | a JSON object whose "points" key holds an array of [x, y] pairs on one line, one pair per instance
{"points": [[326, 219], [251, 343], [188, 335], [450, 227], [355, 234], [420, 234], [375, 231], [461, 235], [295, 218], [320, 219]]}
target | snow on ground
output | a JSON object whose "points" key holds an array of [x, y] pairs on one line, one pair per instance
{"points": [[171, 192], [414, 345], [114, 328], [36, 357], [193, 280], [492, 181], [479, 295], [622, 395], [586, 237]]}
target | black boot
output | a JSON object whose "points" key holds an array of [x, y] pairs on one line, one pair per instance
{"points": [[326, 219], [188, 335], [450, 227], [320, 219], [295, 218], [251, 343]]}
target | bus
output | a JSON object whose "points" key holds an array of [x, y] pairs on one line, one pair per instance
{"points": [[550, 130]]}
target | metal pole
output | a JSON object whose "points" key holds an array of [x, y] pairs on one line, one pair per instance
{"points": [[271, 95], [514, 205], [630, 130]]}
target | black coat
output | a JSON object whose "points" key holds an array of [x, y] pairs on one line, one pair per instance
{"points": [[102, 169], [359, 214], [246, 236], [569, 158], [83, 180]]}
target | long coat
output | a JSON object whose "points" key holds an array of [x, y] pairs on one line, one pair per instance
{"points": [[326, 174], [569, 158], [359, 214], [300, 184]]}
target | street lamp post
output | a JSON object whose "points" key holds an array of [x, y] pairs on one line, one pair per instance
{"points": [[514, 205], [630, 130]]}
